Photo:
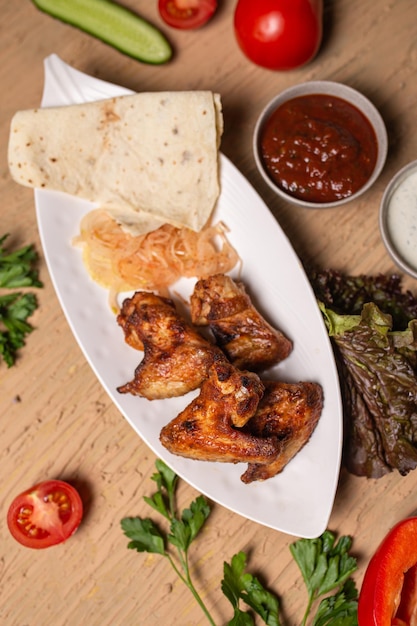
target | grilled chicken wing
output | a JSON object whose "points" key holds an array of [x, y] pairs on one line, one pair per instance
{"points": [[206, 429], [288, 413], [176, 357], [246, 338]]}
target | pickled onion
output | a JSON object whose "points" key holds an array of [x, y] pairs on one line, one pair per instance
{"points": [[154, 261]]}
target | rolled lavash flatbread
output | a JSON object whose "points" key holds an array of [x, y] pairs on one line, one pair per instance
{"points": [[150, 158]]}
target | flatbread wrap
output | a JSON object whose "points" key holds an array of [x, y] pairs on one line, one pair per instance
{"points": [[148, 158]]}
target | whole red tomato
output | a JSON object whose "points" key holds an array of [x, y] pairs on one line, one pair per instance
{"points": [[45, 515], [279, 34]]}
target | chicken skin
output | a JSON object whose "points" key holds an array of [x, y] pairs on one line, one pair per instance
{"points": [[206, 429], [176, 357], [237, 417], [287, 413], [246, 338]]}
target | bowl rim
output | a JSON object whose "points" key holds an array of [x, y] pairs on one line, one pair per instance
{"points": [[392, 186], [340, 90]]}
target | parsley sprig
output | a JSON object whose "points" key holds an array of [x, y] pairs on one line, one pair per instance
{"points": [[326, 565], [16, 271], [147, 537], [17, 267], [238, 585]]}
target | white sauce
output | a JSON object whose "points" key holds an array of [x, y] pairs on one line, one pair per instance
{"points": [[402, 219]]}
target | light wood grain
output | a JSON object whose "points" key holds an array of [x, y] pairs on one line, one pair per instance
{"points": [[55, 418]]}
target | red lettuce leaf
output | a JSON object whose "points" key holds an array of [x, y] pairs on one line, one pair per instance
{"points": [[372, 324]]}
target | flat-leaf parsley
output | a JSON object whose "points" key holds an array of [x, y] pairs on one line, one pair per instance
{"points": [[16, 271], [325, 564]]}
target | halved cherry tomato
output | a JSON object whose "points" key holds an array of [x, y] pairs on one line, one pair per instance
{"points": [[388, 595], [45, 515], [186, 14], [279, 34]]}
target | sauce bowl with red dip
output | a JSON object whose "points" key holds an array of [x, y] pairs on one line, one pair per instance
{"points": [[320, 144]]}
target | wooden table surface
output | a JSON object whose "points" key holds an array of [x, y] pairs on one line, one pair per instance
{"points": [[56, 421]]}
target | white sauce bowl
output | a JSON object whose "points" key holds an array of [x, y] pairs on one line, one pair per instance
{"points": [[398, 218]]}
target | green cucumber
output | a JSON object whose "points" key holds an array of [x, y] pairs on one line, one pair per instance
{"points": [[113, 24]]}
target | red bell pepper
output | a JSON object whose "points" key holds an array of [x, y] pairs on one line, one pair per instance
{"points": [[388, 596]]}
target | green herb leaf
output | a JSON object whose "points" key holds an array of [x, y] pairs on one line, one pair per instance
{"points": [[241, 618], [325, 565], [15, 308], [185, 530], [157, 502], [196, 515], [16, 268], [231, 585], [239, 585], [163, 501], [180, 534], [165, 478], [261, 600], [144, 534], [340, 609]]}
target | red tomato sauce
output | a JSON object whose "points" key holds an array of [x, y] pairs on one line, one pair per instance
{"points": [[319, 148]]}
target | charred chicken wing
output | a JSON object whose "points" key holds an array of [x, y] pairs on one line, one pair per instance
{"points": [[206, 429], [246, 338], [287, 413], [176, 357]]}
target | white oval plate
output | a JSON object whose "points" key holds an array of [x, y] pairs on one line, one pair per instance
{"points": [[299, 500]]}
